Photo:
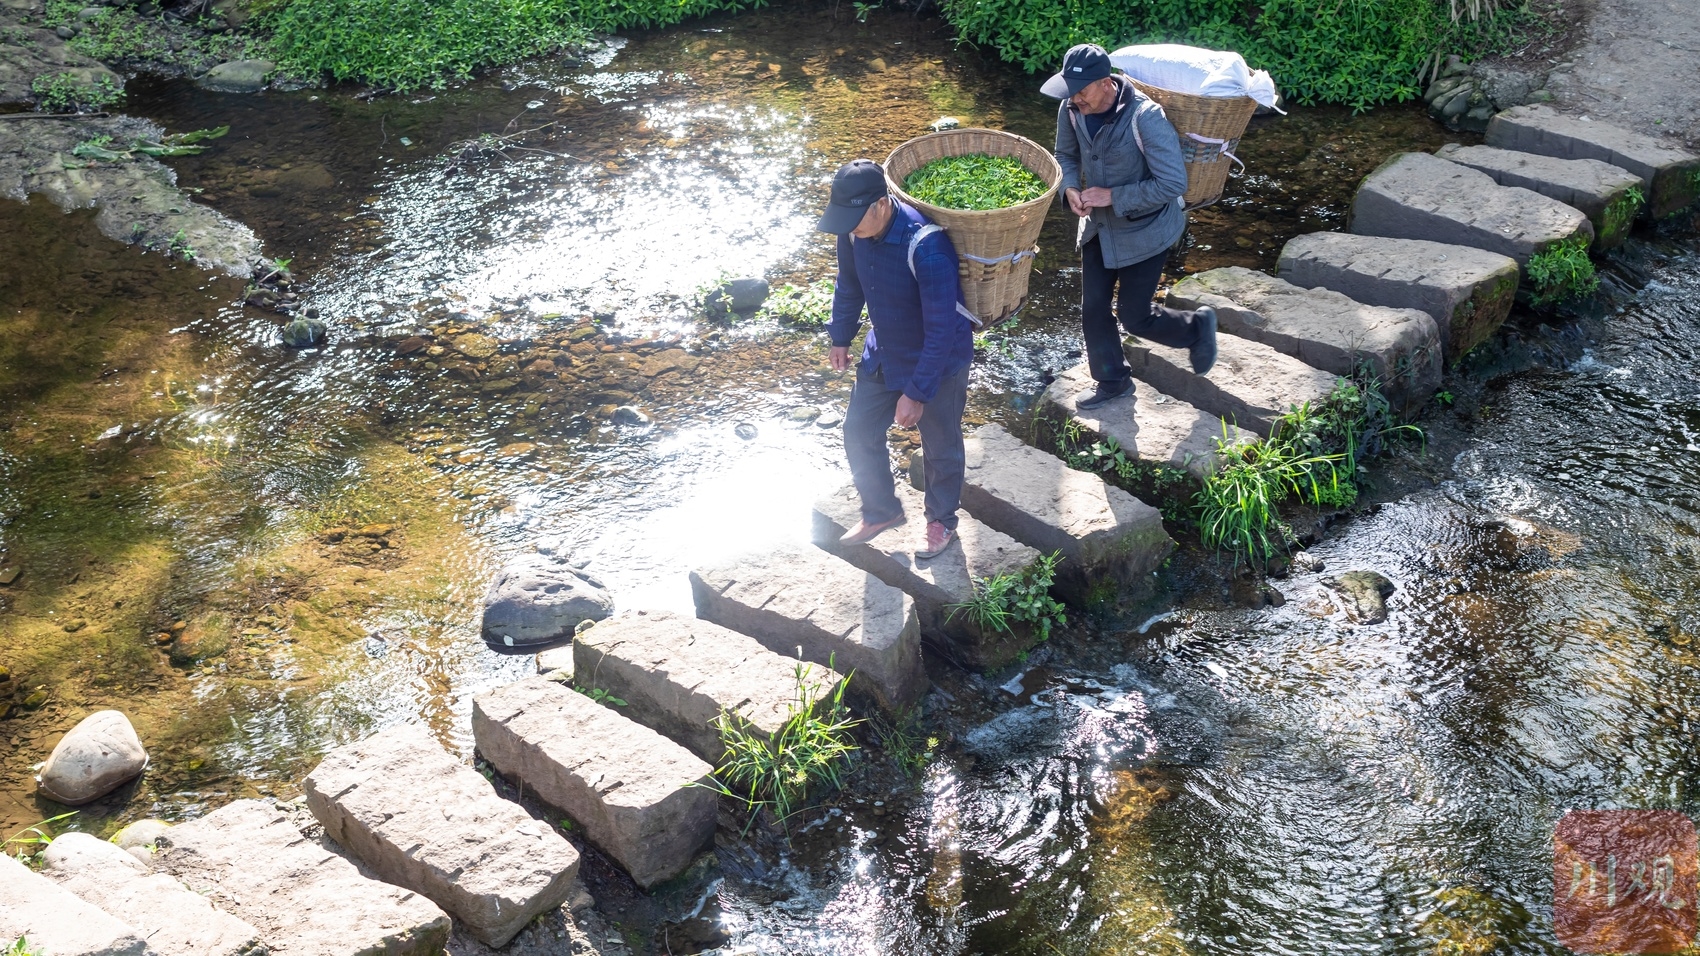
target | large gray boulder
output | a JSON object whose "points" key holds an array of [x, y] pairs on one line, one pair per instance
{"points": [[1467, 291], [1251, 386], [57, 921], [419, 818], [1418, 196], [98, 756], [937, 584], [1111, 543], [642, 798], [175, 921], [1150, 427], [1322, 328], [247, 859], [677, 674], [539, 600], [1669, 174], [238, 76], [791, 597], [1599, 189]]}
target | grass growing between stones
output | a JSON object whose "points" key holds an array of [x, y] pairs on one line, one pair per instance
{"points": [[1562, 273], [809, 753], [1618, 216], [1314, 454], [24, 846], [904, 741], [1004, 602], [21, 947]]}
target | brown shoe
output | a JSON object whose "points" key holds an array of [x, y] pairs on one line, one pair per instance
{"points": [[939, 540], [865, 532]]}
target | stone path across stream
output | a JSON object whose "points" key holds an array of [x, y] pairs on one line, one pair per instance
{"points": [[1430, 273]]}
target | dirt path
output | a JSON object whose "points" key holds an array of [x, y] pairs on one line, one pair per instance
{"points": [[1637, 65]]}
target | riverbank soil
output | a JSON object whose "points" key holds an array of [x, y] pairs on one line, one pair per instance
{"points": [[1636, 64]]}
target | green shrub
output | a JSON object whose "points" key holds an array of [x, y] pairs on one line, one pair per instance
{"points": [[809, 305], [1003, 601], [68, 93], [811, 750], [1355, 52], [1562, 273], [405, 44]]}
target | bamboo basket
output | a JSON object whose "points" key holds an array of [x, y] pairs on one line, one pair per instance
{"points": [[1217, 122], [996, 246]]}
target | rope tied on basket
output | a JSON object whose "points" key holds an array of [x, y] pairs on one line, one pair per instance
{"points": [[1224, 147], [1012, 258]]}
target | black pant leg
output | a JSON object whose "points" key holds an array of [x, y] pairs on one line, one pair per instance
{"points": [[1140, 313], [1103, 338]]}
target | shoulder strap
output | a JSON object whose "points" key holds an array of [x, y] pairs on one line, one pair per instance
{"points": [[914, 244]]}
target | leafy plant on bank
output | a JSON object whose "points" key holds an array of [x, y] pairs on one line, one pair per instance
{"points": [[1562, 273], [136, 35], [976, 181], [1621, 213], [31, 840], [903, 740], [1354, 52], [101, 148], [1004, 601], [810, 752], [21, 947], [600, 695], [809, 306], [67, 93]]}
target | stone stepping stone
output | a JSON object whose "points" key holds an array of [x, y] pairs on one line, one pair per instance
{"points": [[795, 596], [1160, 430], [1467, 291], [1322, 328], [1669, 174], [936, 584], [247, 859], [1418, 196], [57, 921], [1251, 386], [174, 920], [421, 819], [1599, 189], [630, 788], [1110, 541], [677, 674]]}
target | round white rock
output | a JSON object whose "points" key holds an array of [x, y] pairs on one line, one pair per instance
{"points": [[94, 759]]}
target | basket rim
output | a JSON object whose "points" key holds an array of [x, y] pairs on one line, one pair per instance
{"points": [[1050, 192], [1222, 102]]}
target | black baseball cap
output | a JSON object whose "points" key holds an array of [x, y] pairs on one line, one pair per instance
{"points": [[857, 185], [1083, 65]]}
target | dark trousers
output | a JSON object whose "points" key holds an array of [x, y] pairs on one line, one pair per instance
{"points": [[873, 408], [1133, 288]]}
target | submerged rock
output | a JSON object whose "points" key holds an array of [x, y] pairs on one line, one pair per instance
{"points": [[631, 415], [95, 758], [737, 295], [538, 601], [1364, 594], [302, 333], [238, 76]]}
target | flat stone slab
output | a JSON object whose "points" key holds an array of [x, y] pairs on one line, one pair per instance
{"points": [[1251, 386], [1670, 175], [423, 820], [841, 616], [247, 859], [1418, 196], [936, 584], [1322, 328], [174, 920], [1110, 541], [1151, 427], [629, 787], [677, 674], [57, 921], [1467, 291], [1599, 189]]}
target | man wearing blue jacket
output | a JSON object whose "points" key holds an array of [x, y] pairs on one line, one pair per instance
{"points": [[1123, 175], [914, 366]]}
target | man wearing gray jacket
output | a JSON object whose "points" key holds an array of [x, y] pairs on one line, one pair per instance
{"points": [[1123, 175]]}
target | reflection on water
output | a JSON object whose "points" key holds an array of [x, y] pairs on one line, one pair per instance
{"points": [[258, 554]]}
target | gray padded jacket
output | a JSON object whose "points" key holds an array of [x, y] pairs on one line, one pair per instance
{"points": [[1145, 173]]}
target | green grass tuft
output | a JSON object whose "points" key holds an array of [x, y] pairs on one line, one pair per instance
{"points": [[1562, 273], [1004, 601], [810, 752]]}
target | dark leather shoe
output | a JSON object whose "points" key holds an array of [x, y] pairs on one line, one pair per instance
{"points": [[1203, 351], [1105, 393]]}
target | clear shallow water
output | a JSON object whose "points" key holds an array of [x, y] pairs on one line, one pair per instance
{"points": [[1234, 781]]}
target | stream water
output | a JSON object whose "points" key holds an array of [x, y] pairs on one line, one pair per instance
{"points": [[259, 554]]}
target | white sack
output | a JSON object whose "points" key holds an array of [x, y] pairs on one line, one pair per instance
{"points": [[1190, 69]]}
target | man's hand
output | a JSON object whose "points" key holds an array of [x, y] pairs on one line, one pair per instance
{"points": [[1095, 197], [909, 411], [1073, 196], [839, 357]]}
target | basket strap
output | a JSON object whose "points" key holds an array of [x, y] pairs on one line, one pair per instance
{"points": [[1225, 147], [915, 243]]}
